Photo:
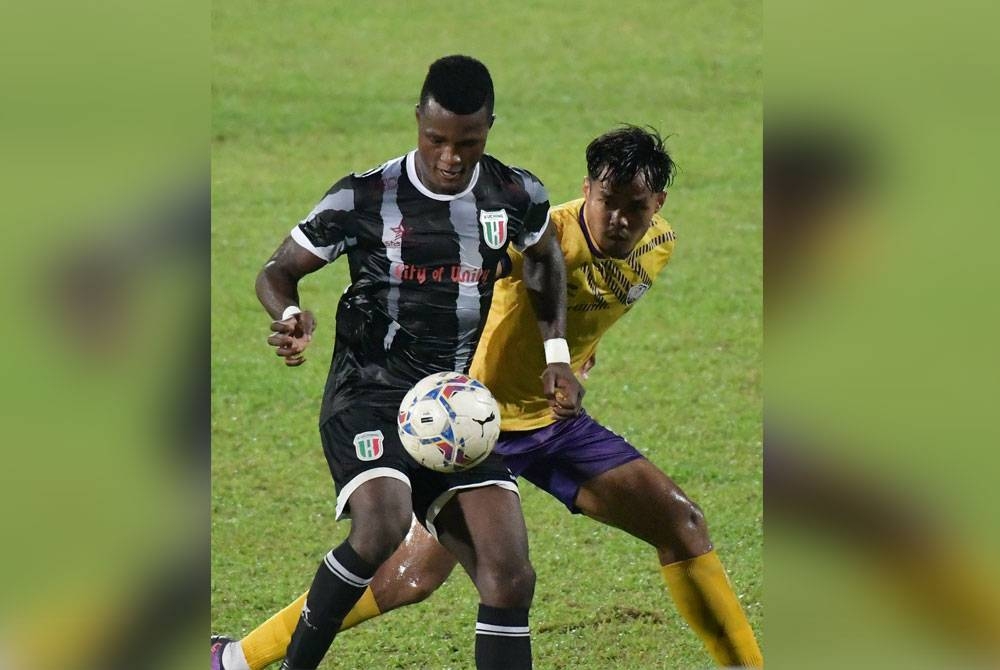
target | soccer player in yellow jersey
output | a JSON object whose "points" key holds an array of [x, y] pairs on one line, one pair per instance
{"points": [[615, 244]]}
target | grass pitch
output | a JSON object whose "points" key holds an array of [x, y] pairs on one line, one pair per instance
{"points": [[305, 92]]}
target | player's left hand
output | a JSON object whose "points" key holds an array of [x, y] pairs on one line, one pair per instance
{"points": [[563, 389], [291, 336]]}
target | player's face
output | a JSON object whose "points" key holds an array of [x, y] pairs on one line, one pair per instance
{"points": [[618, 217], [449, 146]]}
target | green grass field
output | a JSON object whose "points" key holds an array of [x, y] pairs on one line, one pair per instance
{"points": [[305, 92]]}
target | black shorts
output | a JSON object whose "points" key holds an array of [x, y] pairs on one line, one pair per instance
{"points": [[361, 443]]}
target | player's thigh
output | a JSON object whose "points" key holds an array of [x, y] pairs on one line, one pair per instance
{"points": [[381, 510], [484, 529], [641, 499]]}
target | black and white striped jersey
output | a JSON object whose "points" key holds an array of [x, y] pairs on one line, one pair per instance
{"points": [[422, 265]]}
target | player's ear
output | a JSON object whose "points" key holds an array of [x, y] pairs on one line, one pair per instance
{"points": [[661, 197], [586, 187], [416, 112]]}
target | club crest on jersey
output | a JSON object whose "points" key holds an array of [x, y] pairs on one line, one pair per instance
{"points": [[368, 445], [635, 293], [494, 225]]}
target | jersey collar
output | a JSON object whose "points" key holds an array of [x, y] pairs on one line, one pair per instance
{"points": [[411, 172], [586, 235]]}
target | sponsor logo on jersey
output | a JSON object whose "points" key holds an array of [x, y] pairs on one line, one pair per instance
{"points": [[368, 445], [635, 293], [494, 225]]}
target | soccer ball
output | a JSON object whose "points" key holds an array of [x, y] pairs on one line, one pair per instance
{"points": [[448, 422]]}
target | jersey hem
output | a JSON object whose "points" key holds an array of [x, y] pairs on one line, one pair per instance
{"points": [[366, 476], [438, 504]]}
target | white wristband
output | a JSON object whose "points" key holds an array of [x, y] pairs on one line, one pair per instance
{"points": [[290, 311], [556, 351]]}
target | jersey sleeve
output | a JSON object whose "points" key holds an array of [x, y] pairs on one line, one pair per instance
{"points": [[325, 230], [537, 215]]}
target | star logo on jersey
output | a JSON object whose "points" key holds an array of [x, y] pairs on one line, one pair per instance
{"points": [[635, 293], [368, 445], [494, 225], [398, 232]]}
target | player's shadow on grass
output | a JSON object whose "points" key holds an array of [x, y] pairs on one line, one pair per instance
{"points": [[617, 614]]}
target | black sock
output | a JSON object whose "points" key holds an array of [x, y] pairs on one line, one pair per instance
{"points": [[337, 586], [503, 641]]}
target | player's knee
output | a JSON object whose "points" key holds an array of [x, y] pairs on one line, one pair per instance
{"points": [[405, 584], [692, 515], [687, 519], [687, 534], [508, 584], [375, 542], [421, 587]]}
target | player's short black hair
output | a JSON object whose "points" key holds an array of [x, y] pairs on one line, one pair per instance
{"points": [[621, 154], [460, 84]]}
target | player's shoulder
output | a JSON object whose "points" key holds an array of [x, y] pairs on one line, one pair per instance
{"points": [[565, 219], [379, 178], [381, 171], [369, 185], [511, 176], [657, 245], [566, 212]]}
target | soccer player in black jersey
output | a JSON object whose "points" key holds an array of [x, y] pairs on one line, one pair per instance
{"points": [[423, 234]]}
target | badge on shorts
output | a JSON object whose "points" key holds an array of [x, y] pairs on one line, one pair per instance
{"points": [[368, 445], [636, 292], [494, 225]]}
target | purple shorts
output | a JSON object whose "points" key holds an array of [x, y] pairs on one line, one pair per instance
{"points": [[560, 457]]}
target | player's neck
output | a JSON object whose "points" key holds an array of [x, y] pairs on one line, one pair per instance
{"points": [[591, 237]]}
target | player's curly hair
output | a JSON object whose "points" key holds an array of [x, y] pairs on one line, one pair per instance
{"points": [[460, 84], [619, 155]]}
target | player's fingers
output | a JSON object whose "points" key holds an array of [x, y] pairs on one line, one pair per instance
{"points": [[286, 326], [570, 398], [292, 346], [548, 385], [294, 361], [563, 412], [279, 340]]}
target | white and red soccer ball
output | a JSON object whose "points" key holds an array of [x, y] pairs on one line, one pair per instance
{"points": [[449, 422]]}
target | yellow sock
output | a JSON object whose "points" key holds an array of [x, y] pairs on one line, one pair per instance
{"points": [[363, 610], [705, 599], [267, 643]]}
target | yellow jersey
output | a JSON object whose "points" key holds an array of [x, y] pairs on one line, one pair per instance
{"points": [[510, 358]]}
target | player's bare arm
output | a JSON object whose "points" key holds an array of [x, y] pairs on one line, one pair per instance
{"points": [[545, 280], [277, 290]]}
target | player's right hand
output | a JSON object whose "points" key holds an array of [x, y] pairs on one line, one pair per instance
{"points": [[291, 336], [563, 390]]}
